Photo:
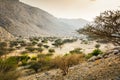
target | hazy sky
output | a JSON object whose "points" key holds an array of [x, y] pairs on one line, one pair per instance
{"points": [[86, 9]]}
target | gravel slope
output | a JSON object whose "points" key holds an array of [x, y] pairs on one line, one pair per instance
{"points": [[106, 68]]}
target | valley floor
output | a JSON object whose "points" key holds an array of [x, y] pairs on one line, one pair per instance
{"points": [[106, 68]]}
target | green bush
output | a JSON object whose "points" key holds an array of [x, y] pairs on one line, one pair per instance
{"points": [[95, 52], [43, 63], [97, 46], [40, 45], [51, 50], [39, 49], [31, 49], [76, 51], [49, 54], [58, 43], [24, 59], [88, 56], [46, 46], [7, 69], [34, 58], [34, 43], [13, 43], [44, 41], [35, 66], [3, 45]]}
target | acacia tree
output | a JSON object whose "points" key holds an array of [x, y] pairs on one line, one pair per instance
{"points": [[107, 24]]}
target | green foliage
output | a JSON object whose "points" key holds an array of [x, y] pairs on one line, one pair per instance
{"points": [[97, 46], [44, 41], [51, 50], [13, 43], [95, 52], [34, 58], [24, 59], [76, 51], [58, 43], [49, 54], [40, 45], [69, 40], [39, 49], [7, 69], [45, 46], [3, 45], [35, 66], [34, 39], [88, 56], [31, 49], [34, 43], [43, 63]]}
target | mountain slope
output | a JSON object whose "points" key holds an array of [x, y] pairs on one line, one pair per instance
{"points": [[75, 23], [20, 19]]}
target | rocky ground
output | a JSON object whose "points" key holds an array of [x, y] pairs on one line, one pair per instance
{"points": [[105, 67]]}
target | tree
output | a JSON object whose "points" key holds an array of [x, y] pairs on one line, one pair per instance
{"points": [[107, 24]]}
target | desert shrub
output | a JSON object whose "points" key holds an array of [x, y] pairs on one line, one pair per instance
{"points": [[31, 49], [35, 66], [76, 51], [43, 63], [24, 52], [34, 43], [84, 42], [7, 69], [49, 54], [41, 55], [34, 58], [95, 52], [88, 56], [34, 39], [66, 61], [45, 46], [44, 41], [23, 43], [40, 45], [13, 43], [51, 50], [39, 49], [69, 40], [3, 45], [58, 43], [24, 59], [97, 46]]}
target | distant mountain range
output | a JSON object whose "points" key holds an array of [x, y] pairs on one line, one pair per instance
{"points": [[20, 19]]}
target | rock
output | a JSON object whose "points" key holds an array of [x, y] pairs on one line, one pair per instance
{"points": [[116, 51]]}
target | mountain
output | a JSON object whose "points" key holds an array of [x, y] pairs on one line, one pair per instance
{"points": [[20, 19], [75, 23]]}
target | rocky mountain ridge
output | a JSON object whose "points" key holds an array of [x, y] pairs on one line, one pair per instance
{"points": [[20, 19]]}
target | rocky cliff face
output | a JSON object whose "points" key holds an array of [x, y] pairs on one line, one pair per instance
{"points": [[20, 19]]}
